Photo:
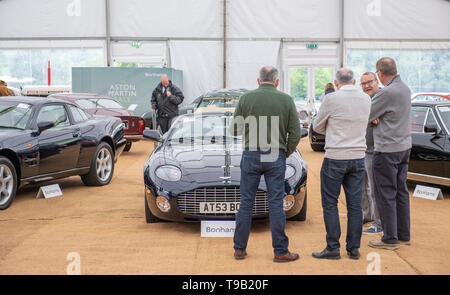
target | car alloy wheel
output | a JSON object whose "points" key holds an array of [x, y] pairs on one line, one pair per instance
{"points": [[6, 184], [104, 164]]}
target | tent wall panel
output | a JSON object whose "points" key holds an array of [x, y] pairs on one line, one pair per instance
{"points": [[201, 63], [245, 59], [52, 18], [399, 19], [283, 19], [169, 18]]}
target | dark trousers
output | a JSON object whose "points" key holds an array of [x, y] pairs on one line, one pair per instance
{"points": [[251, 170], [349, 174], [164, 122], [389, 174]]}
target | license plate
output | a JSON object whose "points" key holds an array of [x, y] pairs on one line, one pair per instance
{"points": [[126, 124], [219, 207]]}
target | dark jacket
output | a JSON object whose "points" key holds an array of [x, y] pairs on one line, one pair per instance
{"points": [[167, 106]]}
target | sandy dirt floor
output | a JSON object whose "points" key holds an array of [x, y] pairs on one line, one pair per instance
{"points": [[106, 226]]}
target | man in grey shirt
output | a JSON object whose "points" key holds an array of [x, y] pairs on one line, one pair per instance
{"points": [[343, 118], [369, 84], [391, 113]]}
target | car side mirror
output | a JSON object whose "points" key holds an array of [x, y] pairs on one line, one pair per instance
{"points": [[304, 132], [430, 129], [153, 134], [42, 126]]}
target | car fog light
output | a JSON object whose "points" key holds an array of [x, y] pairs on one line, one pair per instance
{"points": [[288, 202], [163, 204]]}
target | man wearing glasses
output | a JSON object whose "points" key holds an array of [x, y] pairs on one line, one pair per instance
{"points": [[369, 84]]}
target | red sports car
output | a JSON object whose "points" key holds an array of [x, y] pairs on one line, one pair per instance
{"points": [[96, 104]]}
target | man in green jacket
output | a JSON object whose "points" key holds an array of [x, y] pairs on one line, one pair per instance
{"points": [[268, 121]]}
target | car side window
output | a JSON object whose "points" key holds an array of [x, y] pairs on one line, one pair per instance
{"points": [[444, 112], [196, 101], [55, 113], [418, 115], [78, 114], [431, 121]]}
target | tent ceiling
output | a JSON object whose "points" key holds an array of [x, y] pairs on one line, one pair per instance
{"points": [[202, 19]]}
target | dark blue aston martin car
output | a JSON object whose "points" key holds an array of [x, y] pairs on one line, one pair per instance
{"points": [[44, 139], [194, 174]]}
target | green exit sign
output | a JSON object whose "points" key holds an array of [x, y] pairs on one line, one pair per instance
{"points": [[312, 45], [135, 44]]}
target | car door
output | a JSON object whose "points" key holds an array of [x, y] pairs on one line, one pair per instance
{"points": [[59, 146], [443, 114], [428, 147], [88, 138]]}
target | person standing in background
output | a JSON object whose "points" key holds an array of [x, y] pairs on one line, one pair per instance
{"points": [[165, 100], [329, 88], [4, 91], [369, 84]]}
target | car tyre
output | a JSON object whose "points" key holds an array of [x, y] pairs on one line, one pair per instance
{"points": [[301, 216], [127, 146], [102, 166], [149, 217], [8, 182]]}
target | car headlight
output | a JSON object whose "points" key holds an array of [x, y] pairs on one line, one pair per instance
{"points": [[290, 171], [169, 173]]}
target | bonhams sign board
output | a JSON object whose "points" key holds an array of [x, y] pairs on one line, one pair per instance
{"points": [[129, 86], [426, 192]]}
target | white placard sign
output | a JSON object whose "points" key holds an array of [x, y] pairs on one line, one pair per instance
{"points": [[426, 192], [49, 191], [218, 228]]}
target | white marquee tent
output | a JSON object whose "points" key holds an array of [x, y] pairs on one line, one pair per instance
{"points": [[223, 43]]}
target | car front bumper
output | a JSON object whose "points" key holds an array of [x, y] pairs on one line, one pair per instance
{"points": [[176, 214]]}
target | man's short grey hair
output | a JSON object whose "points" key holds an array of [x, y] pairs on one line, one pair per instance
{"points": [[387, 66], [344, 76], [268, 74], [371, 73]]}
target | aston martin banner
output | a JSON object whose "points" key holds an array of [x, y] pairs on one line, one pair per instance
{"points": [[129, 86]]}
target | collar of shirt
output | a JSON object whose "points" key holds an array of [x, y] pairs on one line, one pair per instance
{"points": [[348, 87], [266, 85], [392, 80]]}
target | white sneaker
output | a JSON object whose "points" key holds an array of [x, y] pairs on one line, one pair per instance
{"points": [[373, 230]]}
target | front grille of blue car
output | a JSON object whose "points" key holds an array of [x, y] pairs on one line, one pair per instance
{"points": [[189, 202]]}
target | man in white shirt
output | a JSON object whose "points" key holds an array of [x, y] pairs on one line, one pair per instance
{"points": [[343, 118]]}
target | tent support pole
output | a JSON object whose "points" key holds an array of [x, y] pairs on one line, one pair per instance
{"points": [[341, 31], [108, 34], [224, 44]]}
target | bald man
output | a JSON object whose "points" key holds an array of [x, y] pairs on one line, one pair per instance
{"points": [[343, 165], [165, 100]]}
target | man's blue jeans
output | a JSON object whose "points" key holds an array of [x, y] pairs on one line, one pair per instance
{"points": [[251, 170], [349, 174]]}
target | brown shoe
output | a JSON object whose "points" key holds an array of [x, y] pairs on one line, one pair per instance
{"points": [[286, 258], [239, 255], [407, 243], [382, 245]]}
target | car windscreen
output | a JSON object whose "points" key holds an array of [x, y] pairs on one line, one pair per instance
{"points": [[98, 103], [444, 112], [429, 98], [221, 102], [14, 115], [191, 128]]}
